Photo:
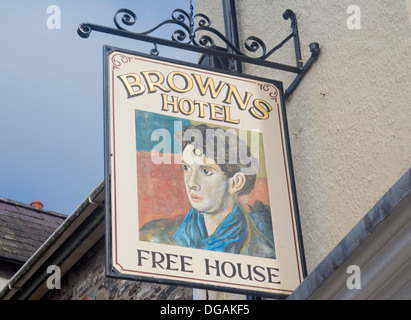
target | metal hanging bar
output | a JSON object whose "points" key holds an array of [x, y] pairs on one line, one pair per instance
{"points": [[289, 14], [187, 37], [315, 51], [231, 31]]}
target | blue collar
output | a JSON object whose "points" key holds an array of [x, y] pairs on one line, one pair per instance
{"points": [[192, 232]]}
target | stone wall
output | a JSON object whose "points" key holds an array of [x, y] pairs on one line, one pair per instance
{"points": [[87, 281]]}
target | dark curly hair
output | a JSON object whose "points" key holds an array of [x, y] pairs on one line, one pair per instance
{"points": [[226, 150]]}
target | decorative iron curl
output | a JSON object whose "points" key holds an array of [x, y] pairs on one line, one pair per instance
{"points": [[206, 42], [204, 21], [180, 15], [180, 36], [253, 44], [84, 30], [128, 18], [289, 14]]}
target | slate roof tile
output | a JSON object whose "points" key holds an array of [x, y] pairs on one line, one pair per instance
{"points": [[23, 229]]}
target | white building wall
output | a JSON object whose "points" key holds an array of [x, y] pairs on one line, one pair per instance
{"points": [[350, 117]]}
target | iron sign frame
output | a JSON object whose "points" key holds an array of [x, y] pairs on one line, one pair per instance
{"points": [[111, 271]]}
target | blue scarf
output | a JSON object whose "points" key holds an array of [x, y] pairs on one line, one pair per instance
{"points": [[192, 232]]}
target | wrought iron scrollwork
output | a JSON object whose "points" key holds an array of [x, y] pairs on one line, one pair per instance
{"points": [[195, 33], [125, 18], [128, 18]]}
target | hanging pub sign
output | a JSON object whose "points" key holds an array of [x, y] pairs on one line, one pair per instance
{"points": [[199, 183]]}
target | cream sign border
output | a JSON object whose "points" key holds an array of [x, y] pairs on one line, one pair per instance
{"points": [[196, 266]]}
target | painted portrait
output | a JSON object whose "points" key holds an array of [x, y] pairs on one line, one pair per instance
{"points": [[202, 186]]}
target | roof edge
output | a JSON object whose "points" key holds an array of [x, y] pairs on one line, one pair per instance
{"points": [[6, 292], [359, 233], [27, 206]]}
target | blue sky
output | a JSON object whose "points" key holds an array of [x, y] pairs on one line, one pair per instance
{"points": [[51, 89]]}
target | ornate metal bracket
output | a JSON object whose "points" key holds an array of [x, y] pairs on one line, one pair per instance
{"points": [[193, 34]]}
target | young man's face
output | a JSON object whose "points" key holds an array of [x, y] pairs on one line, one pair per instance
{"points": [[206, 184]]}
